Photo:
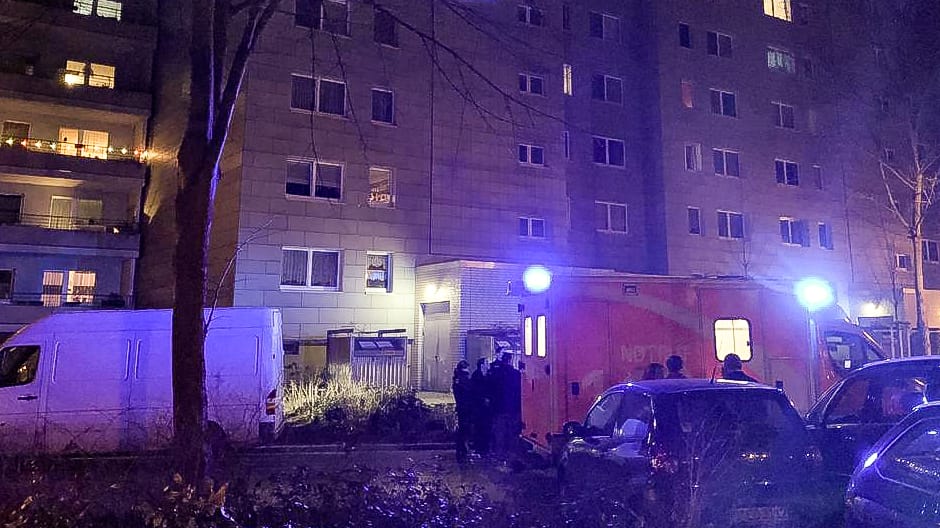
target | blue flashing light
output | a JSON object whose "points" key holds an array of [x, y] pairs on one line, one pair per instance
{"points": [[814, 294], [537, 279]]}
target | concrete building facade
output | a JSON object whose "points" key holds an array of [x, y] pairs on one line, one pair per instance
{"points": [[73, 112], [390, 165]]}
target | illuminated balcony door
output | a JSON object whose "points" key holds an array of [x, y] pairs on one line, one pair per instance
{"points": [[52, 283], [81, 288], [68, 138], [60, 214], [95, 144]]}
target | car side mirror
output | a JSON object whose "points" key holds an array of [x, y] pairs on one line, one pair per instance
{"points": [[573, 429]]}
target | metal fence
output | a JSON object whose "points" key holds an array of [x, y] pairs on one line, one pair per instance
{"points": [[69, 223], [69, 300]]}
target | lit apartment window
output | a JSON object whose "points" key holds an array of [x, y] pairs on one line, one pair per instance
{"points": [[83, 143], [101, 8], [331, 16], [385, 28], [605, 27], [793, 232], [76, 287], [687, 94], [383, 106], [784, 115], [530, 15], [781, 61], [719, 44], [778, 9], [324, 95], [903, 262], [567, 79], [695, 220], [83, 73], [530, 227], [379, 272], [788, 172], [693, 156], [314, 179], [724, 103], [531, 155], [305, 268], [531, 84], [685, 35], [608, 151], [381, 188], [825, 236], [610, 217], [730, 225], [66, 212], [727, 162], [931, 251], [6, 284], [607, 88]]}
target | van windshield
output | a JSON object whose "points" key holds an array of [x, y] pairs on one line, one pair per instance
{"points": [[18, 365]]}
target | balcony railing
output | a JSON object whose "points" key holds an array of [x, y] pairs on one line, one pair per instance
{"points": [[83, 150], [68, 300], [70, 223]]}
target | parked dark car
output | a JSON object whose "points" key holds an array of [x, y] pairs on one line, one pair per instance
{"points": [[692, 452], [852, 415], [898, 483]]}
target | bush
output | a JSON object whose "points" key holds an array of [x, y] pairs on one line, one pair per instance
{"points": [[332, 406]]}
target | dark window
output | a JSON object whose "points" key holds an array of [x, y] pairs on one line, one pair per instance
{"points": [[299, 177], [719, 44], [329, 181], [566, 17], [14, 129], [18, 365], [10, 206], [685, 36], [727, 163], [794, 232], [530, 15], [6, 284], [385, 28], [730, 225], [332, 97], [724, 103], [604, 27], [383, 106], [335, 17], [784, 117], [931, 251], [788, 173], [882, 397], [903, 262], [307, 13], [606, 88], [695, 221], [302, 90], [825, 236]]}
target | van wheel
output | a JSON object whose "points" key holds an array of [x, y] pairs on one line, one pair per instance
{"points": [[216, 441]]}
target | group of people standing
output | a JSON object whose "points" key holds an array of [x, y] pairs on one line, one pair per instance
{"points": [[489, 406], [732, 368]]}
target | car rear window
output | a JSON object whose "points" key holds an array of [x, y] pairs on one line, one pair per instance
{"points": [[915, 458], [748, 421]]}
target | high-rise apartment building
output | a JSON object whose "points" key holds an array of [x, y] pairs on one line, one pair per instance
{"points": [[396, 166], [74, 103]]}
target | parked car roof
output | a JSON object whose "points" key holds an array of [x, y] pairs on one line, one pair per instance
{"points": [[898, 361], [670, 386]]}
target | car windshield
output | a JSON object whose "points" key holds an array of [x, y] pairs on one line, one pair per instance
{"points": [[915, 458]]}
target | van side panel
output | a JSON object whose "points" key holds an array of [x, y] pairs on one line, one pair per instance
{"points": [[151, 402], [233, 381], [89, 390]]}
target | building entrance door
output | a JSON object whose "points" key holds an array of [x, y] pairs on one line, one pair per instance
{"points": [[437, 353]]}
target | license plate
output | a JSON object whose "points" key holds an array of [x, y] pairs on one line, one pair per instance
{"points": [[760, 515]]}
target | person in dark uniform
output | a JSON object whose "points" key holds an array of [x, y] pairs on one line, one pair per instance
{"points": [[674, 367], [507, 404], [733, 369], [463, 398], [482, 415], [654, 371]]}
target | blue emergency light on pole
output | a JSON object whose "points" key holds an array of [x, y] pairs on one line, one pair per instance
{"points": [[814, 294]]}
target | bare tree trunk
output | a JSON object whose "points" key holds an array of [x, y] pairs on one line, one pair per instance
{"points": [[916, 236]]}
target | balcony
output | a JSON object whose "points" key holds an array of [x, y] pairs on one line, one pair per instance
{"points": [[23, 308], [70, 232], [53, 158], [25, 82]]}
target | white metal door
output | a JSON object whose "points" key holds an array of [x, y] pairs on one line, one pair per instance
{"points": [[437, 351]]}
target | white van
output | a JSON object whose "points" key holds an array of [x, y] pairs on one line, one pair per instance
{"points": [[100, 381]]}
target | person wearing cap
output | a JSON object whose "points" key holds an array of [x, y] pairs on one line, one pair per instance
{"points": [[733, 369]]}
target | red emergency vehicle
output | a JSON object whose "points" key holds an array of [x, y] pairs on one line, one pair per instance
{"points": [[586, 333]]}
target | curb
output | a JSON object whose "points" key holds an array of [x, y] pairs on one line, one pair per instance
{"points": [[345, 448]]}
